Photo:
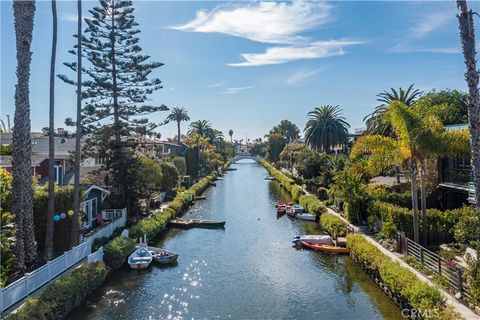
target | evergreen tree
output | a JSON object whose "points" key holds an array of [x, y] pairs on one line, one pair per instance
{"points": [[117, 88]]}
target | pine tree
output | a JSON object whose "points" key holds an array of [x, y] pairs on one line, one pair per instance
{"points": [[117, 86]]}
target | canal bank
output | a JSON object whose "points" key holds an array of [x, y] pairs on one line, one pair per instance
{"points": [[246, 271]]}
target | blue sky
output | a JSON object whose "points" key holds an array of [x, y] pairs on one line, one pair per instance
{"points": [[247, 65]]}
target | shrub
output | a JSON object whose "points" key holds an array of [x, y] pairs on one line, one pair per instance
{"points": [[333, 225], [312, 204], [398, 279], [64, 294], [99, 242], [402, 199], [117, 251]]}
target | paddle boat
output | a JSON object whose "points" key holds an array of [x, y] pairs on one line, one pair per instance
{"points": [[196, 223], [140, 258], [306, 216], [325, 247], [298, 208], [319, 239]]}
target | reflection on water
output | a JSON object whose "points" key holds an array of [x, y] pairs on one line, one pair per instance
{"points": [[248, 270]]}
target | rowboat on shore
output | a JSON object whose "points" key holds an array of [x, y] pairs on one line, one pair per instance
{"points": [[290, 211], [140, 258], [325, 247], [163, 256], [196, 223], [281, 208], [306, 216], [314, 238]]}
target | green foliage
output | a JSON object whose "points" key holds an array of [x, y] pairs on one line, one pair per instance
{"points": [[288, 129], [6, 180], [192, 162], [169, 176], [148, 177], [284, 181], [311, 164], [7, 238], [472, 273], [388, 230], [467, 230], [99, 242], [6, 149], [450, 106], [398, 279], [349, 186], [402, 199], [275, 144], [312, 204], [333, 225], [259, 149], [326, 128], [64, 294], [181, 165], [117, 251]]}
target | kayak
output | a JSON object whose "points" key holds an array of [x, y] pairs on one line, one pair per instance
{"points": [[325, 247]]}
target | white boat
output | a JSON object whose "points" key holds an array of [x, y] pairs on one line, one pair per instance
{"points": [[306, 216], [140, 258], [320, 239], [163, 256], [298, 208]]}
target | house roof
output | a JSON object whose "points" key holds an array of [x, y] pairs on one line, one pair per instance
{"points": [[63, 146], [95, 187]]}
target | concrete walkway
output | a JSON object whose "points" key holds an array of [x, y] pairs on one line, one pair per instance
{"points": [[466, 312]]}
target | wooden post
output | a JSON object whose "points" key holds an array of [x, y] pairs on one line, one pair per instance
{"points": [[439, 265], [460, 281], [421, 254]]}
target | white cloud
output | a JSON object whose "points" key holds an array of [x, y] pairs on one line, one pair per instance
{"points": [[215, 85], [70, 17], [431, 22], [235, 89], [277, 55], [302, 75], [267, 22]]}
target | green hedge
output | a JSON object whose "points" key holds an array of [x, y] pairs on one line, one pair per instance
{"points": [[64, 294], [398, 279], [152, 225], [333, 225], [284, 180], [402, 199], [312, 204], [117, 251], [438, 221]]}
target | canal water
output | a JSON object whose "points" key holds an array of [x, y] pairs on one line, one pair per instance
{"points": [[249, 270]]}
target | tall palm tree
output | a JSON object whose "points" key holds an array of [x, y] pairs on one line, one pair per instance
{"points": [[230, 133], [51, 142], [203, 128], [25, 249], [376, 121], [326, 128], [467, 35], [74, 237], [178, 115]]}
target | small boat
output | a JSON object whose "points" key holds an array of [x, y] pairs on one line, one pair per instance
{"points": [[270, 178], [298, 208], [140, 258], [290, 211], [306, 216], [213, 184], [196, 223], [281, 208], [231, 169], [320, 239], [325, 247], [163, 256], [200, 197]]}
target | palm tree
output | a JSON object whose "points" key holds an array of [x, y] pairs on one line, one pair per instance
{"points": [[288, 129], [178, 115], [76, 182], [51, 142], [25, 249], [230, 133], [376, 121], [202, 128], [326, 128], [467, 35]]}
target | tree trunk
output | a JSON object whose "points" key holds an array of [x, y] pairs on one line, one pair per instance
{"points": [[413, 178], [467, 35], [78, 136], [116, 113], [25, 249], [423, 203], [178, 136], [51, 142]]}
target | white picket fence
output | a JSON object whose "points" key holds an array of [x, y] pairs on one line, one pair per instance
{"points": [[32, 281], [120, 218]]}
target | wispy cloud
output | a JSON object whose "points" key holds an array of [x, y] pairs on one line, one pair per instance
{"points": [[277, 55], [302, 75], [70, 17], [431, 22], [267, 22], [236, 89], [215, 85]]}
